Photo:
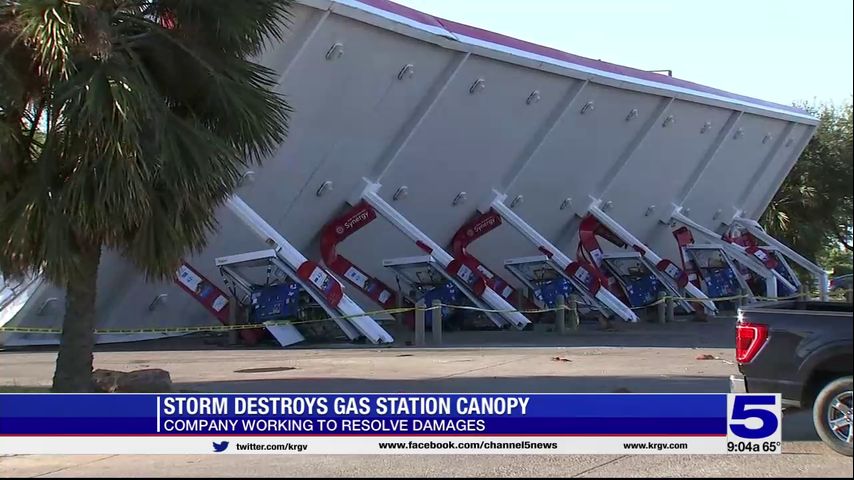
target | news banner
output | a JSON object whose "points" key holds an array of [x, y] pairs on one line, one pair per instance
{"points": [[389, 424]]}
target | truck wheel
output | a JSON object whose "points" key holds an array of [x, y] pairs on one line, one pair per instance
{"points": [[832, 415]]}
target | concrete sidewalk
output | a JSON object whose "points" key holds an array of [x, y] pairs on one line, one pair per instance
{"points": [[564, 369], [799, 459], [470, 361], [717, 332]]}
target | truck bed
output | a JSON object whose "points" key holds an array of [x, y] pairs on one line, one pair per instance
{"points": [[795, 306], [808, 342]]}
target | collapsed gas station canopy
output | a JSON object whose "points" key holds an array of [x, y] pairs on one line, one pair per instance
{"points": [[428, 122]]}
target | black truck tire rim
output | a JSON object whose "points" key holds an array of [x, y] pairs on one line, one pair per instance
{"points": [[839, 416]]}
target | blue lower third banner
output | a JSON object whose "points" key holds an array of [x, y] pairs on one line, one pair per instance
{"points": [[389, 423]]}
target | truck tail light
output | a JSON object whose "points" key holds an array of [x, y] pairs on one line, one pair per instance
{"points": [[749, 339]]}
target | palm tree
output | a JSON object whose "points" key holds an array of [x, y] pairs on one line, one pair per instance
{"points": [[123, 125]]}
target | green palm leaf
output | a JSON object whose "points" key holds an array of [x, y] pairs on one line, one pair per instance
{"points": [[124, 125]]}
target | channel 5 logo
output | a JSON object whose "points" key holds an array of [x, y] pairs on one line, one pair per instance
{"points": [[754, 417]]}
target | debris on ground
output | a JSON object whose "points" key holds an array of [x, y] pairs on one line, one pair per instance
{"points": [[560, 359], [707, 357], [714, 357]]}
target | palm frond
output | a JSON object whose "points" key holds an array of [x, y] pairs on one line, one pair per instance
{"points": [[128, 123]]}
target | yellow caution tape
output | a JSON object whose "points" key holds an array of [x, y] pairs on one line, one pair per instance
{"points": [[393, 311], [203, 328]]}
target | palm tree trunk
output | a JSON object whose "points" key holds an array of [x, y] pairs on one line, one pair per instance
{"points": [[74, 362]]}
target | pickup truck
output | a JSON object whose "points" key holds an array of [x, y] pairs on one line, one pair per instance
{"points": [[803, 351]]}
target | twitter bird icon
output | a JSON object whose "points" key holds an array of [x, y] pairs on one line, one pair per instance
{"points": [[220, 447]]}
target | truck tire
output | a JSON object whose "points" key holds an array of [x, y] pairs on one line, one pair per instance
{"points": [[832, 415]]}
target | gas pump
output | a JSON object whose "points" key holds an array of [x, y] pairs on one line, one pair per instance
{"points": [[785, 270], [581, 275], [422, 279], [272, 295], [564, 274], [476, 228], [631, 276], [782, 252], [633, 279], [466, 277], [752, 263], [710, 268], [789, 284], [322, 287], [547, 282]]}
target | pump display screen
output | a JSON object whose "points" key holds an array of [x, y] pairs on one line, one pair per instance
{"points": [[638, 282], [718, 276]]}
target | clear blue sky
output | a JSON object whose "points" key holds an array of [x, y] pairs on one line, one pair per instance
{"points": [[777, 50]]}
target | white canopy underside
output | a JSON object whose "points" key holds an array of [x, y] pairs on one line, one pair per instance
{"points": [[399, 98]]}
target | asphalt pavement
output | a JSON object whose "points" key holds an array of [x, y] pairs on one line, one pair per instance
{"points": [[653, 359]]}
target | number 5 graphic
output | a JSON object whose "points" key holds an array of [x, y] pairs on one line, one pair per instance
{"points": [[770, 423]]}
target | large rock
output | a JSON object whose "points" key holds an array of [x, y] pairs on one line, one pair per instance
{"points": [[151, 380]]}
